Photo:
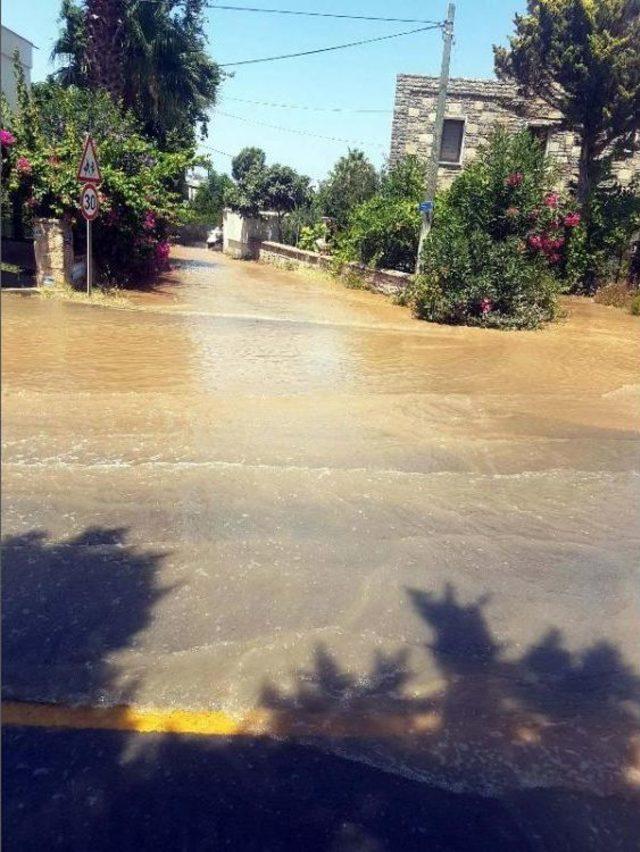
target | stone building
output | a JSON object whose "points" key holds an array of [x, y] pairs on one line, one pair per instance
{"points": [[474, 107]]}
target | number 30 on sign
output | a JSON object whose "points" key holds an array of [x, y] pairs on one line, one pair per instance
{"points": [[89, 202]]}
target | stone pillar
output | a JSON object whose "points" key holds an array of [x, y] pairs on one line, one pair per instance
{"points": [[53, 246]]}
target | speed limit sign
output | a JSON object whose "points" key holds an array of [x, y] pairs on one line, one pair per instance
{"points": [[89, 202]]}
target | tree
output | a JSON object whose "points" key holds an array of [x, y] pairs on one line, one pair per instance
{"points": [[581, 57], [210, 198], [284, 190], [249, 159], [139, 198], [258, 187], [352, 180], [159, 49], [105, 45], [248, 168]]}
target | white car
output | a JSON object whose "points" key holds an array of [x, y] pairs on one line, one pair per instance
{"points": [[214, 238]]}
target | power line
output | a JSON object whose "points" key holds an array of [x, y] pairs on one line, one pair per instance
{"points": [[216, 150], [320, 14], [292, 130], [310, 108], [327, 49]]}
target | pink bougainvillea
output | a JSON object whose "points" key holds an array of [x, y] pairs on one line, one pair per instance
{"points": [[486, 305], [149, 221], [551, 200], [571, 220], [7, 138], [162, 254]]}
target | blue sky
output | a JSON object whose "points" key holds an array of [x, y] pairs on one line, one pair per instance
{"points": [[361, 77]]}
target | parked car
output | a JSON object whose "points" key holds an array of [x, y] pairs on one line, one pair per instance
{"points": [[214, 238]]}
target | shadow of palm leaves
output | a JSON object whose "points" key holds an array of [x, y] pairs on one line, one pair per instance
{"points": [[546, 718]]}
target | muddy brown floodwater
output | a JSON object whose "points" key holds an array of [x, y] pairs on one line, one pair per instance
{"points": [[261, 492]]}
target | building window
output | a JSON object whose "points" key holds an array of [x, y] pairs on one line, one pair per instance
{"points": [[451, 145], [541, 133]]}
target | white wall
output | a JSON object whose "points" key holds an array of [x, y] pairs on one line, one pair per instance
{"points": [[10, 42]]}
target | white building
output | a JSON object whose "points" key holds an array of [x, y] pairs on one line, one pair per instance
{"points": [[10, 42]]}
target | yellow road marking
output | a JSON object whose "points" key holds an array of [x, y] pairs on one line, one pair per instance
{"points": [[209, 723], [120, 718]]}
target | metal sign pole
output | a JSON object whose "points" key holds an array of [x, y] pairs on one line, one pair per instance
{"points": [[89, 270]]}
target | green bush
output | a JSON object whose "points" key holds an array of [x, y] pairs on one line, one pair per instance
{"points": [[310, 234], [383, 232], [600, 251], [635, 305], [140, 199], [497, 247]]}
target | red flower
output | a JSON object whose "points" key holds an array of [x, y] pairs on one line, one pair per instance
{"points": [[514, 179], [149, 221], [23, 166], [572, 220], [551, 200], [535, 241], [486, 305], [7, 138]]}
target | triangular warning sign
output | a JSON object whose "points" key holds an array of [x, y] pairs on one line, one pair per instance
{"points": [[88, 170]]}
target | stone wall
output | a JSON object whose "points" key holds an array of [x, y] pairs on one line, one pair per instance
{"points": [[53, 247], [482, 104], [387, 281], [242, 236]]}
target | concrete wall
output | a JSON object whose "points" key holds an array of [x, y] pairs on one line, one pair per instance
{"points": [[9, 43], [242, 236], [387, 281], [482, 104]]}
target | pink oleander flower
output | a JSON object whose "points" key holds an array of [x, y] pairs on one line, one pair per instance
{"points": [[535, 241], [556, 244], [162, 254], [572, 219], [7, 138], [554, 257], [514, 179], [149, 221], [551, 200], [486, 305], [23, 166]]}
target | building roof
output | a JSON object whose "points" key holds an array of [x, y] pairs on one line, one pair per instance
{"points": [[13, 32]]}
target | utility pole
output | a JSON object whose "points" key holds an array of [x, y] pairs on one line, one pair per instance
{"points": [[432, 168]]}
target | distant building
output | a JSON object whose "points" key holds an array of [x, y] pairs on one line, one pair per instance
{"points": [[194, 181], [9, 43], [474, 107]]}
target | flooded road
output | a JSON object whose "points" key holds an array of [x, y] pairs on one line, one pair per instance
{"points": [[260, 492]]}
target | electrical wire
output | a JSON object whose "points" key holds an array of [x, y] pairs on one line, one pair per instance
{"points": [[292, 130], [309, 108], [327, 49], [320, 14], [216, 150]]}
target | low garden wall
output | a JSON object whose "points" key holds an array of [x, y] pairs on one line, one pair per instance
{"points": [[387, 281]]}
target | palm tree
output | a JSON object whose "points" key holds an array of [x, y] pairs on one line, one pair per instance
{"points": [[105, 45], [165, 76]]}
